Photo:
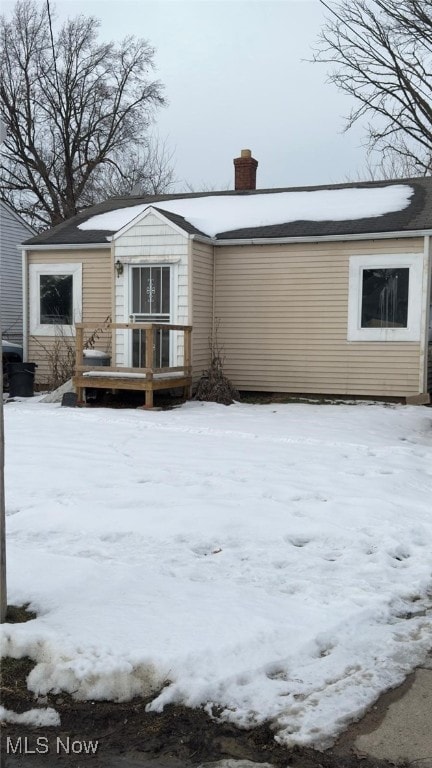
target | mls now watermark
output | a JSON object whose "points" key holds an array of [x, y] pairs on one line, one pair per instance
{"points": [[41, 745]]}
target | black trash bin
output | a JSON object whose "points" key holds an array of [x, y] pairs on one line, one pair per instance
{"points": [[21, 379]]}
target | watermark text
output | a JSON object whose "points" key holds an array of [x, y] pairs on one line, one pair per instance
{"points": [[41, 745]]}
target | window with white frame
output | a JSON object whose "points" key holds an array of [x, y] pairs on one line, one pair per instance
{"points": [[385, 293], [55, 298]]}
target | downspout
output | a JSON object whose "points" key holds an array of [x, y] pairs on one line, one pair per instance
{"points": [[25, 305], [113, 305], [191, 297], [213, 324], [424, 336]]}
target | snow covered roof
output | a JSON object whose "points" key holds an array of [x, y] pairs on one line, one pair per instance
{"points": [[362, 208]]}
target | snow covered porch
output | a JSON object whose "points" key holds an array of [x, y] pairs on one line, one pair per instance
{"points": [[151, 344]]}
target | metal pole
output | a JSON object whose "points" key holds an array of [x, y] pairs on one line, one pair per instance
{"points": [[3, 590]]}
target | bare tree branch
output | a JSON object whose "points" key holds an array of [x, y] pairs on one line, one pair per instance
{"points": [[381, 55], [145, 169], [76, 110]]}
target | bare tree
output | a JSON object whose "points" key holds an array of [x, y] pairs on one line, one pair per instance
{"points": [[75, 110], [383, 167], [382, 56], [146, 168], [204, 187]]}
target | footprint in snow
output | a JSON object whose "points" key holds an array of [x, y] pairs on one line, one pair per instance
{"points": [[297, 541]]}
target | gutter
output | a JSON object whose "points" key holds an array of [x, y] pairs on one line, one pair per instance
{"points": [[427, 311], [66, 247], [25, 303], [203, 239], [248, 241], [321, 238]]}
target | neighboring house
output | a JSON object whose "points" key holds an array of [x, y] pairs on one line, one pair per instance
{"points": [[13, 231], [313, 290]]}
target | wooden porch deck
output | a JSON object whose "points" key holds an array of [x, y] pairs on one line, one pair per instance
{"points": [[148, 379]]}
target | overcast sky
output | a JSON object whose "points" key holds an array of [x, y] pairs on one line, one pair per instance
{"points": [[236, 76]]}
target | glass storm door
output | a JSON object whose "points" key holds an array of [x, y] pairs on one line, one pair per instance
{"points": [[151, 288]]}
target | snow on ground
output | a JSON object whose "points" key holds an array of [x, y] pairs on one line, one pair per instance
{"points": [[34, 717], [215, 214], [269, 561]]}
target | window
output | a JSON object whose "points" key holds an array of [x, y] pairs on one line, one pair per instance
{"points": [[385, 297], [151, 292], [55, 298]]}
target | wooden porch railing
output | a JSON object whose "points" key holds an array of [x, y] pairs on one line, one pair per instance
{"points": [[149, 379]]}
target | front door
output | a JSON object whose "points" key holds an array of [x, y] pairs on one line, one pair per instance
{"points": [[151, 303]]}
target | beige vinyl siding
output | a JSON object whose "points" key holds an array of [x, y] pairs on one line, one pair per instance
{"points": [[283, 316], [202, 305], [96, 298]]}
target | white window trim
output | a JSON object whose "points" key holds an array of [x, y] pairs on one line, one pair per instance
{"points": [[414, 262], [35, 272]]}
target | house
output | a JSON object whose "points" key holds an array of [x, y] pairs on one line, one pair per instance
{"points": [[13, 230], [313, 290]]}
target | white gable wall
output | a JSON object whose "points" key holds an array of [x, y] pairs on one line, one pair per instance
{"points": [[151, 241]]}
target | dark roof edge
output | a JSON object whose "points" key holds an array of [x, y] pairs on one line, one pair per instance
{"points": [[248, 240], [317, 238], [28, 246], [269, 190]]}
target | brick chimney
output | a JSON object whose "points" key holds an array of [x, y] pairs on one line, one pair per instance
{"points": [[245, 171]]}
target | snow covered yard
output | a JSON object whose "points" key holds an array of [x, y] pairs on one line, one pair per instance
{"points": [[267, 562]]}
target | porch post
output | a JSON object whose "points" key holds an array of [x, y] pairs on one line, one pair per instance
{"points": [[79, 344], [149, 365]]}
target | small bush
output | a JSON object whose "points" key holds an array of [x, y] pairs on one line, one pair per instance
{"points": [[60, 354], [214, 386]]}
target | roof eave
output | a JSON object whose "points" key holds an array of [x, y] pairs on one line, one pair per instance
{"points": [[153, 211], [245, 241], [19, 218], [203, 239], [322, 238], [64, 246]]}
